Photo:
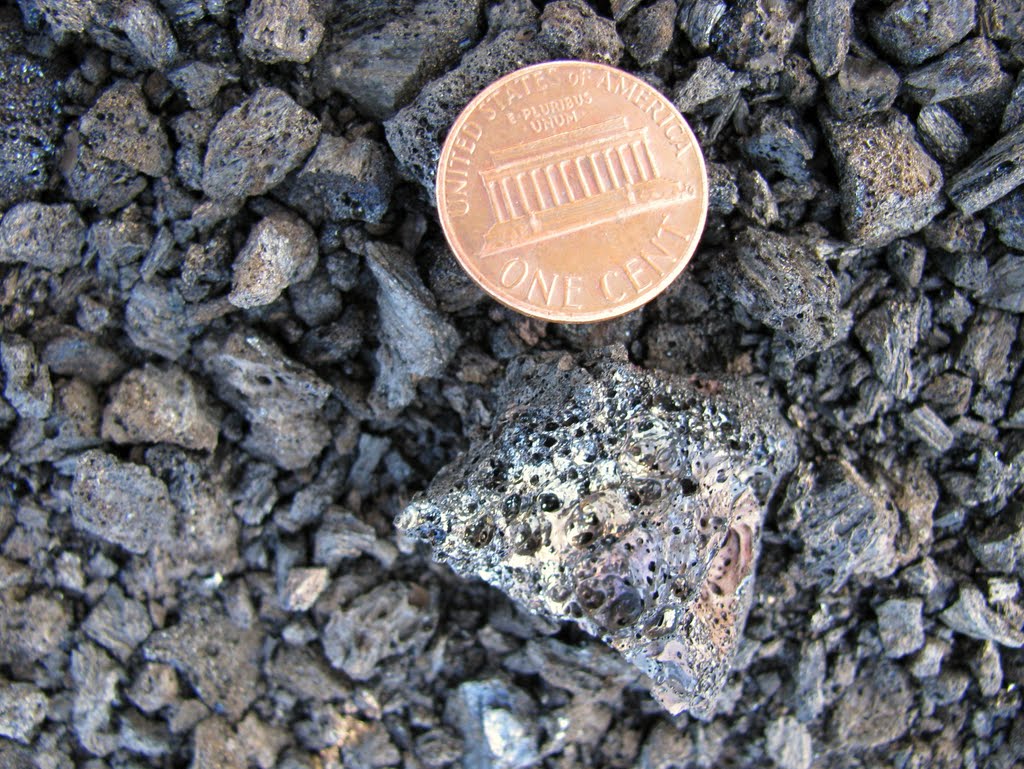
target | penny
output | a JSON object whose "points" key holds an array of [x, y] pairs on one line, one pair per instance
{"points": [[572, 191]]}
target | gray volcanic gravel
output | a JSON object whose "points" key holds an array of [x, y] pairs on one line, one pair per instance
{"points": [[282, 489]]}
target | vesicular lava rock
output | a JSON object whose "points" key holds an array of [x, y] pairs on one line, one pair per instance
{"points": [[627, 501], [256, 144], [380, 60], [889, 185], [30, 116]]}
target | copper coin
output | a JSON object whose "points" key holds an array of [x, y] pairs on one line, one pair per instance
{"points": [[571, 191]]}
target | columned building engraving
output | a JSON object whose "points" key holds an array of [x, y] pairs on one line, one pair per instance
{"points": [[565, 183]]}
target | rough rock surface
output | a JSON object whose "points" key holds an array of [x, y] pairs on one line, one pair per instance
{"points": [[778, 281], [51, 237], [342, 180], [160, 405], [890, 186], [381, 60], [416, 132], [912, 31], [121, 502], [828, 34], [30, 115], [594, 507], [22, 709], [281, 250], [219, 659], [845, 526], [989, 177], [417, 342], [884, 627], [275, 31], [27, 385], [281, 399], [256, 144], [119, 127]]}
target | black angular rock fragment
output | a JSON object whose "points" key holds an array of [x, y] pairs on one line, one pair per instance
{"points": [[912, 31], [889, 333], [948, 394], [62, 18], [160, 405], [205, 531], [27, 385], [781, 283], [710, 83], [829, 23], [622, 8], [22, 709], [341, 536], [972, 616], [135, 29], [281, 250], [393, 619], [571, 29], [316, 301], [200, 82], [281, 399], [416, 132], [846, 526], [118, 624], [191, 131], [782, 144], [1006, 215], [342, 180], [454, 289], [723, 192], [256, 144], [901, 626], [955, 234], [381, 60], [121, 502], [906, 259], [650, 31], [46, 236], [31, 627], [985, 349], [999, 169], [874, 709], [755, 36], [30, 116], [92, 180], [417, 341], [1013, 115], [626, 501], [219, 659], [942, 134], [890, 187], [120, 128], [861, 87], [281, 30], [969, 69], [157, 320], [929, 427], [1000, 546], [95, 677], [698, 19], [71, 425]]}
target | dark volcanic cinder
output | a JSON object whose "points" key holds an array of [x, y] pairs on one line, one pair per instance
{"points": [[235, 350], [627, 502]]}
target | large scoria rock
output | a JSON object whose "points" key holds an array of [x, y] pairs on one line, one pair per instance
{"points": [[628, 501]]}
